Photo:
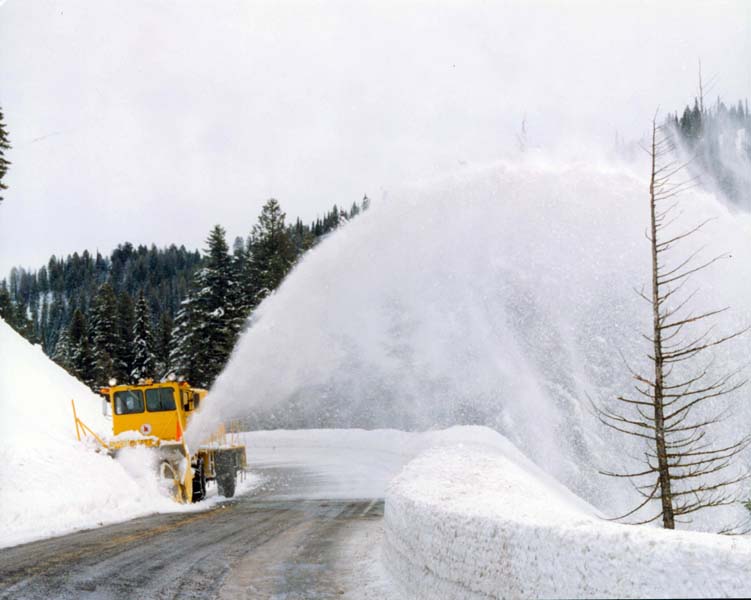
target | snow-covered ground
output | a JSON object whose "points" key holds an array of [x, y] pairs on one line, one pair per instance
{"points": [[51, 483], [351, 463], [469, 516], [476, 521]]}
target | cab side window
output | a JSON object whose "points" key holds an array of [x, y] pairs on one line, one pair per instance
{"points": [[160, 399], [128, 402]]}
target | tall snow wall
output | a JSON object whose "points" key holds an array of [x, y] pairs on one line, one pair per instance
{"points": [[475, 523]]}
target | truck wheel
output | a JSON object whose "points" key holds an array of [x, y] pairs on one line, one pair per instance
{"points": [[226, 473], [226, 483], [199, 482]]}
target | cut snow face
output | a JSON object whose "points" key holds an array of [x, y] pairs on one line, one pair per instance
{"points": [[483, 522], [502, 297], [51, 483]]}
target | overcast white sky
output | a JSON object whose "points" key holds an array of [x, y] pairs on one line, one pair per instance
{"points": [[152, 121]]}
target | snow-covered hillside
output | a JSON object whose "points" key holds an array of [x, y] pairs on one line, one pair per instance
{"points": [[51, 483], [479, 522]]}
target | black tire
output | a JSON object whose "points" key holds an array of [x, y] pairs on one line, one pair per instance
{"points": [[199, 482], [226, 474], [226, 484]]}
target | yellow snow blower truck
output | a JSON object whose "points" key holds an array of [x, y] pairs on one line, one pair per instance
{"points": [[155, 415]]}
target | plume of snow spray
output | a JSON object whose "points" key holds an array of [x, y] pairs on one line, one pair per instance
{"points": [[502, 296]]}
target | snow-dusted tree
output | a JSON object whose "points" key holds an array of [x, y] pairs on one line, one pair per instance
{"points": [[163, 345], [43, 332], [206, 324], [81, 359], [213, 311], [4, 145], [106, 337], [6, 305], [62, 353], [237, 292], [144, 363], [271, 255], [182, 353], [676, 403], [126, 321]]}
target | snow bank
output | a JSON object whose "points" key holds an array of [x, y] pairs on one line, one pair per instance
{"points": [[484, 522], [51, 483]]}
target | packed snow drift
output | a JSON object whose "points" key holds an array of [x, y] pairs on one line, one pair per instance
{"points": [[478, 522], [502, 296], [52, 483]]}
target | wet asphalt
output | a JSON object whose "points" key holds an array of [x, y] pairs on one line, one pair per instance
{"points": [[256, 546]]}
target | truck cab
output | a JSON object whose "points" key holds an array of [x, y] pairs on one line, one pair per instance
{"points": [[160, 411]]}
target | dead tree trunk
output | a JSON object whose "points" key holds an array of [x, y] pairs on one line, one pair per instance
{"points": [[671, 412], [668, 518]]}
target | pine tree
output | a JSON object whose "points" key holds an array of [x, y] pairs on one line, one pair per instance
{"points": [[144, 362], [237, 294], [334, 218], [43, 336], [23, 324], [163, 346], [214, 316], [56, 322], [4, 145], [124, 352], [81, 359], [272, 254], [62, 353], [106, 337], [183, 353], [7, 313], [239, 254]]}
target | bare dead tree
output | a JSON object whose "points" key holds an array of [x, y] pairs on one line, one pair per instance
{"points": [[705, 88], [674, 406]]}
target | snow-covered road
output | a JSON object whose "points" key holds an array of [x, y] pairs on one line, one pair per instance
{"points": [[297, 535], [467, 515]]}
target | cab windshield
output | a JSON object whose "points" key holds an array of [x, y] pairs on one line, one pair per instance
{"points": [[160, 399], [128, 402]]}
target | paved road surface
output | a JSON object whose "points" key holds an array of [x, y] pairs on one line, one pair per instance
{"points": [[269, 544]]}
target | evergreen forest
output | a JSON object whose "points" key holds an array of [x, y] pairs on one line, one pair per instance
{"points": [[148, 312]]}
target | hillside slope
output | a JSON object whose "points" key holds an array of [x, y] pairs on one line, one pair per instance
{"points": [[51, 483]]}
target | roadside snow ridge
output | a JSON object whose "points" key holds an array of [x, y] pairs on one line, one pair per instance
{"points": [[482, 522]]}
